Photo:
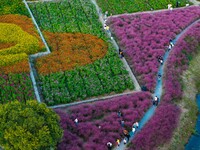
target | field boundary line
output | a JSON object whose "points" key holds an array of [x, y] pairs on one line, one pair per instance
{"points": [[93, 99], [33, 73], [127, 67]]}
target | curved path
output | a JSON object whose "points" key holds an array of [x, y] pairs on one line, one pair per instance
{"points": [[195, 2], [136, 84], [157, 92]]}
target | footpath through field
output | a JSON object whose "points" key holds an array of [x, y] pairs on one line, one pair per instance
{"points": [[136, 84], [157, 92]]}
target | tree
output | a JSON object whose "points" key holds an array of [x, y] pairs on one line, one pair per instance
{"points": [[28, 126]]}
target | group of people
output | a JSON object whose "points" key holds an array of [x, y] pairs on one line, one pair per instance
{"points": [[171, 44], [170, 6], [107, 29], [125, 132], [105, 26], [160, 59]]}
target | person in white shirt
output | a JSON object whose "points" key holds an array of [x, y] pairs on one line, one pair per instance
{"points": [[109, 145], [76, 121]]}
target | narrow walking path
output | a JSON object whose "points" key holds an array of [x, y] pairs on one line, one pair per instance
{"points": [[147, 12], [32, 57], [92, 100], [194, 141], [195, 2], [135, 82], [157, 92]]}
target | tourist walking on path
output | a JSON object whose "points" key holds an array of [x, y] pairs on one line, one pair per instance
{"points": [[109, 145], [119, 113], [136, 125], [76, 121], [159, 76], [125, 141], [177, 3], [126, 134], [171, 43], [105, 15], [169, 47], [118, 142], [155, 101], [133, 129], [160, 59], [106, 28], [121, 53], [122, 123], [169, 6]]}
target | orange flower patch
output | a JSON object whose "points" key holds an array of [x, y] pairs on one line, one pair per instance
{"points": [[6, 45], [24, 22], [69, 51], [22, 66]]}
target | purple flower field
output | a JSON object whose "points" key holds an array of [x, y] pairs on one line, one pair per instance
{"points": [[99, 122], [145, 36], [158, 130], [161, 126], [178, 61]]}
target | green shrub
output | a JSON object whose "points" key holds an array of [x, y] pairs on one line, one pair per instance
{"points": [[30, 126]]}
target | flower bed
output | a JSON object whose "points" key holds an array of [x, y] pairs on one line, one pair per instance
{"points": [[25, 24], [24, 42], [15, 86], [178, 61], [101, 76], [158, 130], [161, 126], [127, 6], [99, 122], [144, 37], [64, 16], [79, 49], [15, 82], [18, 39]]}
